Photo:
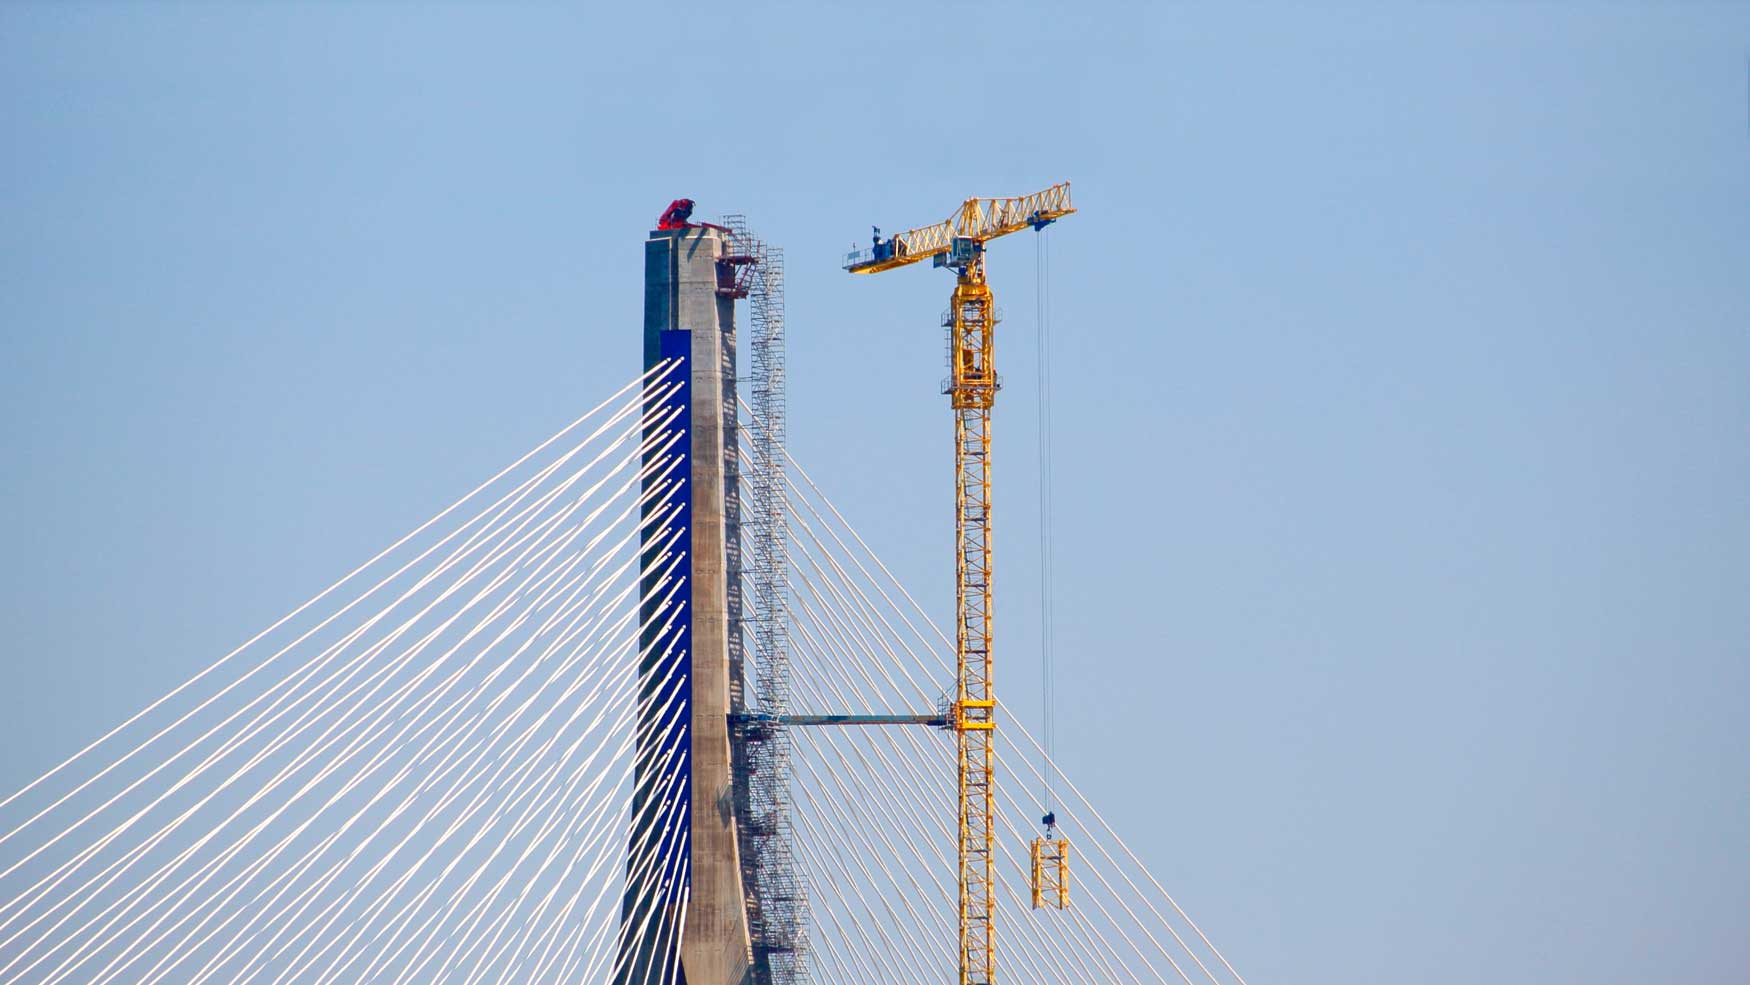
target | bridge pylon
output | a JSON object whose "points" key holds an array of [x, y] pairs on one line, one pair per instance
{"points": [[683, 796]]}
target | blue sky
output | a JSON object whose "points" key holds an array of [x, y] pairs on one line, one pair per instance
{"points": [[1402, 432]]}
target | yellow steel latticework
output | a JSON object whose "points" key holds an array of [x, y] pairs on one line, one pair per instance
{"points": [[1050, 873], [958, 242]]}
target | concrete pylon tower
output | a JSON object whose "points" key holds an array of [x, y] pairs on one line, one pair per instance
{"points": [[689, 908]]}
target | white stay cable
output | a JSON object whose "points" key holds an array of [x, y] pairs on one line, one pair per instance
{"points": [[891, 655], [918, 609], [553, 944], [866, 848], [663, 868], [640, 863], [459, 895], [909, 774], [522, 950], [659, 841], [476, 542], [831, 851], [660, 370], [504, 762], [499, 925], [501, 553], [839, 671], [440, 772], [828, 949], [1188, 950], [283, 738], [646, 870], [128, 860], [403, 693]]}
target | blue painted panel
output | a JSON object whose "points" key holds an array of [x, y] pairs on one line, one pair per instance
{"points": [[671, 657]]}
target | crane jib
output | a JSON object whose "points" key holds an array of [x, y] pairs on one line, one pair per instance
{"points": [[977, 219]]}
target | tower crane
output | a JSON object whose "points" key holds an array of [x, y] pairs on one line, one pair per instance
{"points": [[958, 243]]}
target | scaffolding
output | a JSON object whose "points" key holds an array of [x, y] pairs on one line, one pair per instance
{"points": [[777, 901]]}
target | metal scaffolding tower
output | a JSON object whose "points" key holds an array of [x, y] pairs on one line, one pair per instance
{"points": [[778, 903]]}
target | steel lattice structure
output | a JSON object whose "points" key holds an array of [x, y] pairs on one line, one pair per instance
{"points": [[958, 243], [778, 911]]}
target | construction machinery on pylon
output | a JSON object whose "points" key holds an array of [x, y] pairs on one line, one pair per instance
{"points": [[958, 243]]}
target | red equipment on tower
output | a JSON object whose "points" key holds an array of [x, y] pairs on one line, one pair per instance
{"points": [[676, 215]]}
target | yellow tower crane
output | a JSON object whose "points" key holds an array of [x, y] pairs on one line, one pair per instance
{"points": [[958, 243]]}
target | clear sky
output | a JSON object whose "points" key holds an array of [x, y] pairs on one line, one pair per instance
{"points": [[1401, 359]]}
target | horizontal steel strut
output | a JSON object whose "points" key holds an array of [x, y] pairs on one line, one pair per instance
{"points": [[934, 721]]}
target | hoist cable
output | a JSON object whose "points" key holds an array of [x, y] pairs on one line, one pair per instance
{"points": [[1042, 316]]}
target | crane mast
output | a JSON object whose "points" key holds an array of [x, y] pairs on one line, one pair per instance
{"points": [[958, 243], [972, 391]]}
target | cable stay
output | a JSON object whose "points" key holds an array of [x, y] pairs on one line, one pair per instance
{"points": [[873, 845], [423, 777]]}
